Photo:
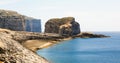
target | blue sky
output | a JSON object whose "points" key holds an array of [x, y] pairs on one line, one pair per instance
{"points": [[93, 15]]}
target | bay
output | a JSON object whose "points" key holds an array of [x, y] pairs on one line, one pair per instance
{"points": [[89, 50]]}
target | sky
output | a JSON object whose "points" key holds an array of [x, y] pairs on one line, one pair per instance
{"points": [[93, 15]]}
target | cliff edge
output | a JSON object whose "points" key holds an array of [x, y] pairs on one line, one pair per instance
{"points": [[15, 21]]}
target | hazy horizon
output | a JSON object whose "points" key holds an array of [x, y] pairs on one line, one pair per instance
{"points": [[93, 15]]}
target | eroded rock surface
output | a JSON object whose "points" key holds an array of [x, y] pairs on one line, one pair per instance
{"points": [[66, 26], [11, 51]]}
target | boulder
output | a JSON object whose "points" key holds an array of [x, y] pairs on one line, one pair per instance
{"points": [[66, 26]]}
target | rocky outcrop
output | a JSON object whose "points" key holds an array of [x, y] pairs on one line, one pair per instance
{"points": [[15, 21], [11, 51], [89, 35], [66, 26]]}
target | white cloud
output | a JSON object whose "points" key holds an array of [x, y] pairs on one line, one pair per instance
{"points": [[5, 2]]}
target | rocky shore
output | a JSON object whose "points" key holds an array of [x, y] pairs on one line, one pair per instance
{"points": [[19, 46], [23, 37], [11, 51]]}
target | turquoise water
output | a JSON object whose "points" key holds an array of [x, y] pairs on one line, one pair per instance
{"points": [[91, 50]]}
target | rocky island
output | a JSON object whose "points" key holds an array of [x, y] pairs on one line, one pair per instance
{"points": [[66, 26], [17, 45]]}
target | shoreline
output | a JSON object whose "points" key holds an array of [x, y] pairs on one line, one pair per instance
{"points": [[35, 45], [28, 43]]}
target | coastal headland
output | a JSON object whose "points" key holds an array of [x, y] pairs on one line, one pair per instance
{"points": [[17, 45]]}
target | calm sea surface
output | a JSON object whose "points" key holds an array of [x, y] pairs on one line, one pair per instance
{"points": [[90, 50]]}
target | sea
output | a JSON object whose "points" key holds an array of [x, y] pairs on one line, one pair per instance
{"points": [[85, 50]]}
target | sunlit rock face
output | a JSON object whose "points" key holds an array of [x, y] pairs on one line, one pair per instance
{"points": [[15, 21], [65, 26], [11, 51]]}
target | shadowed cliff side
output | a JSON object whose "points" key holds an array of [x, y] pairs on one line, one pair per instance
{"points": [[15, 21], [11, 51]]}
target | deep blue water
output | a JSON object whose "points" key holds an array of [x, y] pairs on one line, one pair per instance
{"points": [[90, 50]]}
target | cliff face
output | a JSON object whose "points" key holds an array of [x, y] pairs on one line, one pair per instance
{"points": [[13, 52], [33, 25], [15, 21], [64, 26], [11, 20]]}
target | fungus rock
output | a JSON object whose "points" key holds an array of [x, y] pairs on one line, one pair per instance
{"points": [[66, 26]]}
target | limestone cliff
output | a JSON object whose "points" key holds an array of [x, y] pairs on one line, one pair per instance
{"points": [[32, 24], [11, 20], [15, 21], [65, 26], [13, 52]]}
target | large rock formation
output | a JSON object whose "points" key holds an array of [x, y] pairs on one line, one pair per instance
{"points": [[65, 26], [11, 20], [11, 51], [15, 21]]}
